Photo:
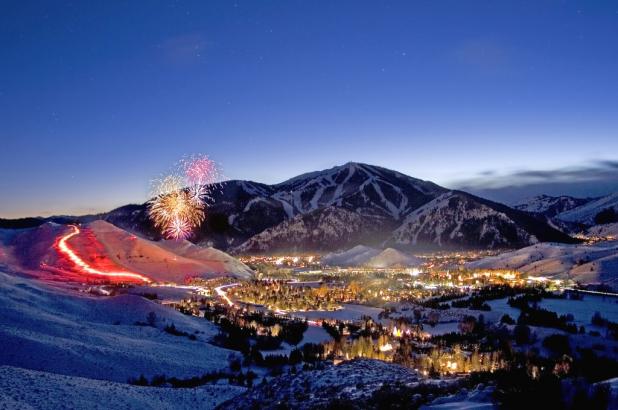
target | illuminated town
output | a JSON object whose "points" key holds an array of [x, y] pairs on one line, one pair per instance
{"points": [[308, 205]]}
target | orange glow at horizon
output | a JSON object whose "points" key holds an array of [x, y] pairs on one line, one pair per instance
{"points": [[64, 248]]}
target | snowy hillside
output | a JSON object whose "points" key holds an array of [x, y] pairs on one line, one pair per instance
{"points": [[586, 213], [582, 263], [460, 219], [551, 206], [331, 228], [60, 331], [609, 231], [29, 389], [361, 255], [356, 256], [110, 248], [353, 380], [390, 257]]}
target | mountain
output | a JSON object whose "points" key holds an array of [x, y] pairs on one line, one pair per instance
{"points": [[587, 213], [458, 219], [322, 210], [336, 209], [551, 206]]}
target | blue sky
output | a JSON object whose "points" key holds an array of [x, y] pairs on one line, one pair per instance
{"points": [[97, 98]]}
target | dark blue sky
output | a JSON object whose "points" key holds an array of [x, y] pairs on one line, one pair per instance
{"points": [[97, 98]]}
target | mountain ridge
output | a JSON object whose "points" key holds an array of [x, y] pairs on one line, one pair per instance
{"points": [[329, 210]]}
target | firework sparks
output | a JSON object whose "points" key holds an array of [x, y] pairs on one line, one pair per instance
{"points": [[179, 199]]}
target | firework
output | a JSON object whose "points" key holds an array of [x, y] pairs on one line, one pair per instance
{"points": [[178, 229], [179, 199]]}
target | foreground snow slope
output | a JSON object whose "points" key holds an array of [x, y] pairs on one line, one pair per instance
{"points": [[59, 331], [353, 380], [582, 263], [29, 389]]}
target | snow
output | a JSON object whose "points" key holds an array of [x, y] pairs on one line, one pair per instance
{"points": [[441, 328], [581, 263], [586, 213], [605, 230], [348, 312], [582, 310], [550, 205], [362, 255], [339, 181], [61, 331], [392, 257], [352, 380], [113, 248], [29, 389], [356, 256], [449, 217]]}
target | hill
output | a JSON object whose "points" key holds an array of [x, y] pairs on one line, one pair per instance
{"points": [[582, 263], [107, 248], [587, 213]]}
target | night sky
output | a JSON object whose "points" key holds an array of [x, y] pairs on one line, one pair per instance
{"points": [[97, 98]]}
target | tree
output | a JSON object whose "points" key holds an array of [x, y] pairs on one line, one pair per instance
{"points": [[606, 216], [558, 344], [151, 319], [521, 334], [507, 320]]}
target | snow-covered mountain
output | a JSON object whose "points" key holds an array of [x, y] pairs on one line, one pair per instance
{"points": [[365, 188], [349, 203], [551, 206], [587, 213], [335, 209], [456, 218], [322, 229]]}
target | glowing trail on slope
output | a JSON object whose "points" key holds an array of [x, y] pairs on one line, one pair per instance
{"points": [[66, 250]]}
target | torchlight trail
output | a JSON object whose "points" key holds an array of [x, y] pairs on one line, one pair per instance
{"points": [[66, 250]]}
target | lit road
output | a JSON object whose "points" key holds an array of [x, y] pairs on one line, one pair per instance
{"points": [[221, 293], [65, 249]]}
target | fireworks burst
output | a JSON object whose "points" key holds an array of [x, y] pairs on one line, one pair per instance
{"points": [[179, 199]]}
